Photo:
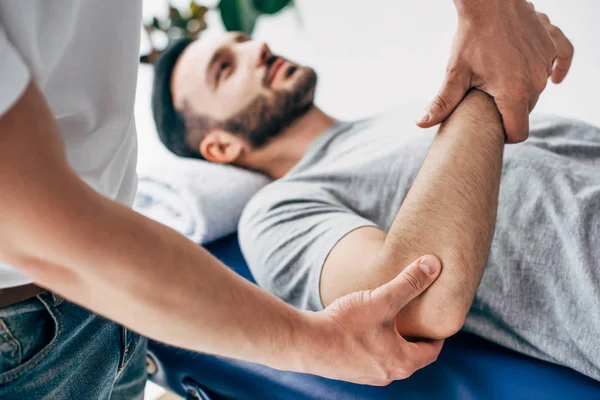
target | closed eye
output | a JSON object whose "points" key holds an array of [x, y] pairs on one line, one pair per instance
{"points": [[223, 71]]}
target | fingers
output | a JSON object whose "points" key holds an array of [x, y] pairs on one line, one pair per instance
{"points": [[410, 283], [544, 18], [564, 48], [564, 55], [515, 117], [454, 88], [561, 69], [422, 354]]}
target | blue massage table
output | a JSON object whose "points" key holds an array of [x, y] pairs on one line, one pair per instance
{"points": [[468, 368]]}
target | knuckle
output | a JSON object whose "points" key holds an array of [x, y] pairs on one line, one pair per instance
{"points": [[556, 36], [555, 30], [387, 378], [413, 281], [387, 297], [458, 75], [551, 51], [433, 357], [385, 375], [403, 374], [453, 69], [570, 48], [440, 103], [350, 302], [383, 382]]}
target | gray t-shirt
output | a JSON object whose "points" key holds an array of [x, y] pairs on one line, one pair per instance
{"points": [[540, 292]]}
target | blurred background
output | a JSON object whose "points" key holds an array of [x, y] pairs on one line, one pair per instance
{"points": [[371, 55]]}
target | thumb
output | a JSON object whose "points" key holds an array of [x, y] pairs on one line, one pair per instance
{"points": [[453, 90], [515, 117], [409, 284]]}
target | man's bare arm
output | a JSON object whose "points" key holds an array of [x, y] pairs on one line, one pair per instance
{"points": [[450, 211], [106, 257], [103, 255]]}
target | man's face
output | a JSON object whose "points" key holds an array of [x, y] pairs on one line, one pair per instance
{"points": [[240, 84]]}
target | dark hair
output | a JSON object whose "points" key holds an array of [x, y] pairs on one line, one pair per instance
{"points": [[170, 124]]}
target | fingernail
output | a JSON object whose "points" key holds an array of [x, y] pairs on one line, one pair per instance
{"points": [[429, 265], [425, 117]]}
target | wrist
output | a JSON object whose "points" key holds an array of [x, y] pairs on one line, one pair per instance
{"points": [[312, 338], [482, 9], [292, 351], [480, 105]]}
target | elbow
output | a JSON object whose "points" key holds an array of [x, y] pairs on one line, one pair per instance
{"points": [[430, 322], [441, 310], [441, 326]]}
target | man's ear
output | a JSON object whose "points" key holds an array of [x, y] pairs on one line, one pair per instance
{"points": [[221, 147]]}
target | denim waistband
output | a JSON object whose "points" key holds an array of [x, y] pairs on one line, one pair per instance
{"points": [[30, 305]]}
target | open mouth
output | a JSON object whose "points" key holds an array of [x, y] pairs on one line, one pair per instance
{"points": [[278, 66]]}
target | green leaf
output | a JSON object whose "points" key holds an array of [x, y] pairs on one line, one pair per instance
{"points": [[174, 13], [270, 6], [238, 15], [197, 10]]}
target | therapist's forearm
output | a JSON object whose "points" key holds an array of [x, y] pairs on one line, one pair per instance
{"points": [[148, 277], [450, 211], [104, 256]]}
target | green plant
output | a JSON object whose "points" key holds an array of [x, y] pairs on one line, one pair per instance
{"points": [[237, 15]]}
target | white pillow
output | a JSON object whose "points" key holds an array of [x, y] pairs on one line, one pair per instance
{"points": [[199, 199]]}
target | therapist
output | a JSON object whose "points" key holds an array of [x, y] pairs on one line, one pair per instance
{"points": [[74, 251]]}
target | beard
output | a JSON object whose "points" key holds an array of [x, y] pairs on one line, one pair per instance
{"points": [[266, 117]]}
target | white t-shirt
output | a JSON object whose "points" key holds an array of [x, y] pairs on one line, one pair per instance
{"points": [[83, 54]]}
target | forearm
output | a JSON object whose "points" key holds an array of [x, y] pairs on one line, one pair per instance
{"points": [[104, 256], [149, 278], [450, 211]]}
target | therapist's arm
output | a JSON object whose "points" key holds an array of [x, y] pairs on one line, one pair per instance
{"points": [[504, 49], [450, 211], [104, 256]]}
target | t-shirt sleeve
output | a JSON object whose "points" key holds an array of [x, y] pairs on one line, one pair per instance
{"points": [[14, 73], [287, 231]]}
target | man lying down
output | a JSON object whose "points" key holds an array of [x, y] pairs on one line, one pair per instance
{"points": [[353, 203]]}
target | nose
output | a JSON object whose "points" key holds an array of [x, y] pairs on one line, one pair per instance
{"points": [[264, 54]]}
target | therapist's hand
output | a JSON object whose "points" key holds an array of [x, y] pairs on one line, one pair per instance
{"points": [[357, 336], [501, 47], [564, 48]]}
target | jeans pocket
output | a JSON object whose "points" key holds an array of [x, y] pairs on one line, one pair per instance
{"points": [[28, 332]]}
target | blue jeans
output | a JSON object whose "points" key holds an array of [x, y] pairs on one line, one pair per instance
{"points": [[53, 349]]}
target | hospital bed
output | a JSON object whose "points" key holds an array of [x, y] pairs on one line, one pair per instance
{"points": [[468, 368]]}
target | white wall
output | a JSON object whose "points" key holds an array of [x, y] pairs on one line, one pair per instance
{"points": [[373, 55]]}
